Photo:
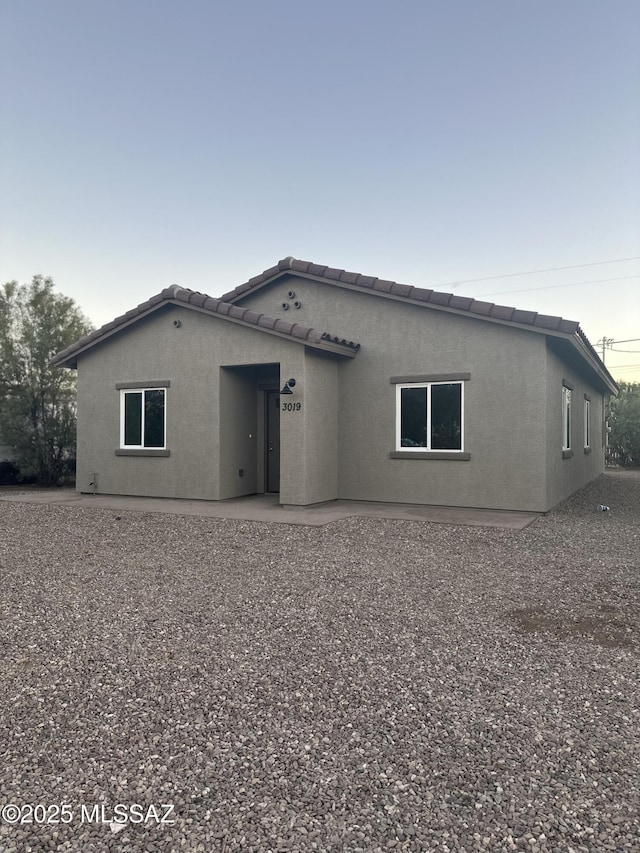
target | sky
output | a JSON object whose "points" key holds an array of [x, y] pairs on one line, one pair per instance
{"points": [[490, 149]]}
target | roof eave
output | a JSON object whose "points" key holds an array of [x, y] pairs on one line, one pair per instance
{"points": [[307, 337], [319, 344], [71, 360], [595, 363]]}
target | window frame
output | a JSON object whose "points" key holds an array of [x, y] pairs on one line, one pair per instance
{"points": [[428, 384], [142, 389], [587, 423], [566, 419]]}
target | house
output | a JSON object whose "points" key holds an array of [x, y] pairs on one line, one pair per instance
{"points": [[319, 384]]}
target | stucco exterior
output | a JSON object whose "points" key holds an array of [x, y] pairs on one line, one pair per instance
{"points": [[221, 365], [569, 471]]}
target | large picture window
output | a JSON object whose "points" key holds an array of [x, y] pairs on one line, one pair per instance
{"points": [[430, 416], [143, 418]]}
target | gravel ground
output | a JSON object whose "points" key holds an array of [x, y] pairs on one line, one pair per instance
{"points": [[368, 685]]}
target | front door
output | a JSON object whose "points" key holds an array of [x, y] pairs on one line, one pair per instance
{"points": [[272, 435]]}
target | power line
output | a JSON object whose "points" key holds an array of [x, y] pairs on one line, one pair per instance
{"points": [[536, 272], [554, 286]]}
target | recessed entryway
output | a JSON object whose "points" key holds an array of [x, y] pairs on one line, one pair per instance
{"points": [[272, 441]]}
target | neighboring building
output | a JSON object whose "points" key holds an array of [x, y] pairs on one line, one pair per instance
{"points": [[401, 394]]}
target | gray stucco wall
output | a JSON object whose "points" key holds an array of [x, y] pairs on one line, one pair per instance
{"points": [[566, 475], [320, 427], [199, 465], [505, 398], [339, 439]]}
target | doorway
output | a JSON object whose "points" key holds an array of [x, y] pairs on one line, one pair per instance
{"points": [[272, 441]]}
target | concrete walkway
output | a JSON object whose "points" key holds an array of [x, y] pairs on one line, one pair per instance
{"points": [[267, 508]]}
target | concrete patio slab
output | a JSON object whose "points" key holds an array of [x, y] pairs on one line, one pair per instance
{"points": [[267, 508]]}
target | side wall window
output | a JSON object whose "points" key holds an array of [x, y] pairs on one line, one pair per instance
{"points": [[587, 422], [566, 418], [429, 416], [143, 418]]}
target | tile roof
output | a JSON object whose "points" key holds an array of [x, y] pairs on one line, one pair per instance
{"points": [[207, 304], [544, 323], [226, 306], [420, 295]]}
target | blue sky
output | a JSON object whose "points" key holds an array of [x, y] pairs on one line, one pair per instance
{"points": [[149, 142]]}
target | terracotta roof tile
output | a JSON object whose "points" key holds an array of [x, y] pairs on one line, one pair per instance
{"points": [[482, 308], [300, 266], [519, 316], [421, 294], [546, 321], [383, 285], [438, 298], [366, 280], [299, 331], [267, 322], [341, 341], [283, 326], [402, 289], [349, 277], [502, 312], [272, 271], [461, 302], [237, 313], [330, 272]]}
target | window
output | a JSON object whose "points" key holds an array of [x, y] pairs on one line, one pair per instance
{"points": [[566, 418], [587, 423], [429, 416], [142, 418]]}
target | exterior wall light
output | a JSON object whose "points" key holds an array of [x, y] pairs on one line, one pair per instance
{"points": [[288, 385]]}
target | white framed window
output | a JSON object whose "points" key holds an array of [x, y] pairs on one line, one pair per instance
{"points": [[566, 418], [587, 422], [430, 416], [143, 418]]}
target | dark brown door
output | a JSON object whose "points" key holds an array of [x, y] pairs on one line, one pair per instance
{"points": [[272, 434]]}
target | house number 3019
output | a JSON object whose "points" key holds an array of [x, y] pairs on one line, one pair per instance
{"points": [[291, 407]]}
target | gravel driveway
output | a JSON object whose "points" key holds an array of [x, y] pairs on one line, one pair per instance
{"points": [[368, 685]]}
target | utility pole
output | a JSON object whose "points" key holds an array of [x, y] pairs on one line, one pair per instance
{"points": [[604, 342], [608, 342]]}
